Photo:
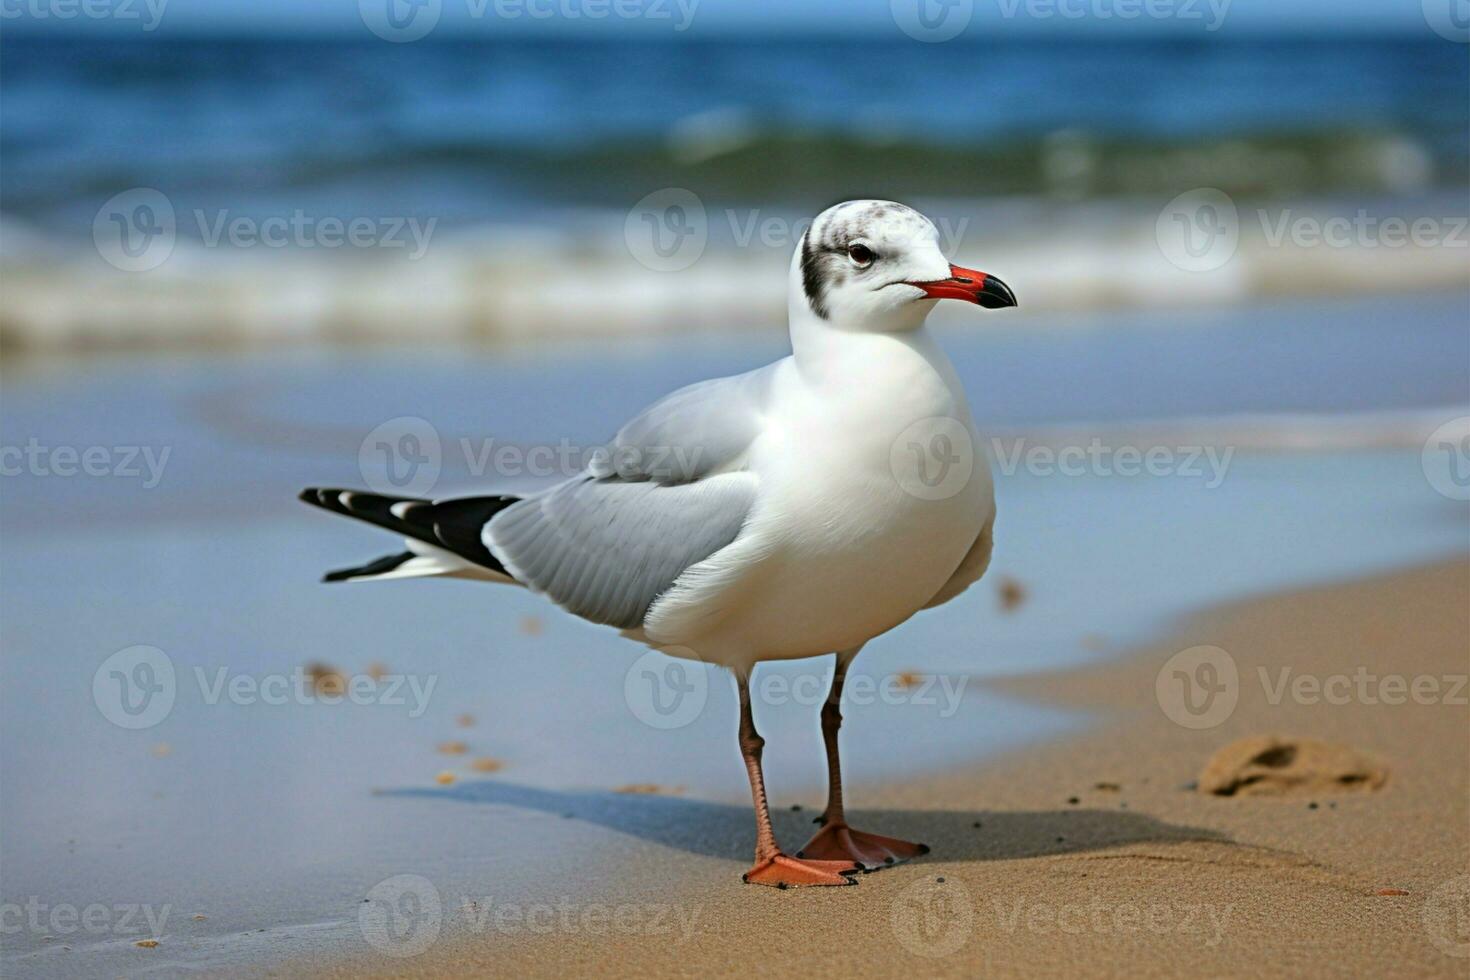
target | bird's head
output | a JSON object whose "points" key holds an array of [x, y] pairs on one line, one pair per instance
{"points": [[876, 266]]}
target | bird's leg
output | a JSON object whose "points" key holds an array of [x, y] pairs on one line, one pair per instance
{"points": [[837, 841], [831, 724], [771, 866]]}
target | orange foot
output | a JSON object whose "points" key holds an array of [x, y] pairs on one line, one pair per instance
{"points": [[781, 871], [839, 842]]}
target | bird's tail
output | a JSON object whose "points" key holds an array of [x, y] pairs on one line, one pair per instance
{"points": [[443, 538]]}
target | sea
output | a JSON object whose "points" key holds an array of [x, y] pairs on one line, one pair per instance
{"points": [[513, 129]]}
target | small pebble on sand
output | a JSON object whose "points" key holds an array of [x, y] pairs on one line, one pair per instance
{"points": [[1010, 593], [326, 680], [453, 748], [444, 778], [486, 764], [146, 943]]}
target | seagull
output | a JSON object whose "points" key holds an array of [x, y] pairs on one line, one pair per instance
{"points": [[797, 510]]}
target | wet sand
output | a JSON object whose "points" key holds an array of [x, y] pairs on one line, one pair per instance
{"points": [[1092, 854]]}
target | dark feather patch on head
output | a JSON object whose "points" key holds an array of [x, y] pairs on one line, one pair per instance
{"points": [[811, 276]]}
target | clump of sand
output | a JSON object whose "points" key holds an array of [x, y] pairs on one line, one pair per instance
{"points": [[1010, 593], [1279, 765], [326, 680]]}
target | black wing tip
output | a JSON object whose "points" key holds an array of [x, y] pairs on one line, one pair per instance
{"points": [[453, 524], [379, 566], [328, 497]]}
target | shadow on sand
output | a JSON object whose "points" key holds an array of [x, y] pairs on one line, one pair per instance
{"points": [[725, 830]]}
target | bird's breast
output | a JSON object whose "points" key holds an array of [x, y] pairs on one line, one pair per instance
{"points": [[864, 516]]}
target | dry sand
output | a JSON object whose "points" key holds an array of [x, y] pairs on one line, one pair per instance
{"points": [[1142, 875]]}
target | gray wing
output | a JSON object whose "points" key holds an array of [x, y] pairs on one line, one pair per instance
{"points": [[670, 492], [698, 430]]}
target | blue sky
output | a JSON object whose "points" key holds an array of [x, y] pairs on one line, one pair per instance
{"points": [[746, 16]]}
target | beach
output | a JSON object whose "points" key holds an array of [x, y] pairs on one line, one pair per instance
{"points": [[1090, 852], [492, 749], [1205, 714]]}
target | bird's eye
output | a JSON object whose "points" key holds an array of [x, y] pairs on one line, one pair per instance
{"points": [[860, 254]]}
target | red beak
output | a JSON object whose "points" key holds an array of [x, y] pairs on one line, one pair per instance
{"points": [[972, 286]]}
